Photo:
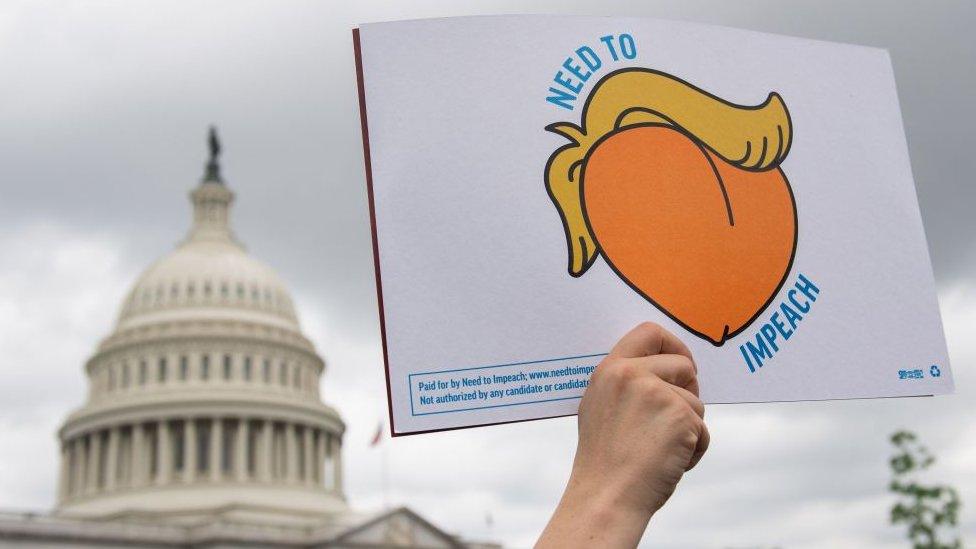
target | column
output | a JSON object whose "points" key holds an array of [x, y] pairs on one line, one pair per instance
{"points": [[139, 461], [216, 448], [309, 460], [189, 449], [320, 456], [337, 448], [112, 458], [291, 453], [267, 449], [163, 453], [240, 450], [64, 477], [94, 449], [81, 465]]}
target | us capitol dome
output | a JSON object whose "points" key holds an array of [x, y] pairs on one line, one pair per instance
{"points": [[204, 425]]}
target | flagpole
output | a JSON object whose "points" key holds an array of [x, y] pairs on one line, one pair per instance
{"points": [[385, 478], [384, 465]]}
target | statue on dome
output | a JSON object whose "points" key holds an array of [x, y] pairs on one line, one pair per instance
{"points": [[213, 168]]}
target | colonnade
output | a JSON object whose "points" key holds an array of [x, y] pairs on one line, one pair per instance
{"points": [[203, 449]]}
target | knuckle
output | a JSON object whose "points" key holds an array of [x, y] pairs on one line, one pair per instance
{"points": [[687, 365], [628, 371], [649, 329], [678, 410], [654, 392], [612, 370]]}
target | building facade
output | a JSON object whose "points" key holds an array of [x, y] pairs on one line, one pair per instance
{"points": [[204, 425]]}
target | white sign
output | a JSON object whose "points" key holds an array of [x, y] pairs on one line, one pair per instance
{"points": [[539, 185]]}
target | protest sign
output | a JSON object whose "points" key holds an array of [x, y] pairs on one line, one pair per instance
{"points": [[538, 185]]}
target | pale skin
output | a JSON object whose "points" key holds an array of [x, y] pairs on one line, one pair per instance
{"points": [[641, 427]]}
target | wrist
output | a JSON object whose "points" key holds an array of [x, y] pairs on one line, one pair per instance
{"points": [[609, 496], [601, 513]]}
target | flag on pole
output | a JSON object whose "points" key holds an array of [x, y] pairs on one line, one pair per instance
{"points": [[378, 436]]}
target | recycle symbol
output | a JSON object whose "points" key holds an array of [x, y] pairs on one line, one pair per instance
{"points": [[935, 371]]}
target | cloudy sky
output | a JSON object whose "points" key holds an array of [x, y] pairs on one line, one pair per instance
{"points": [[103, 112]]}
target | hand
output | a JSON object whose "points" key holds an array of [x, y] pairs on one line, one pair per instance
{"points": [[640, 428]]}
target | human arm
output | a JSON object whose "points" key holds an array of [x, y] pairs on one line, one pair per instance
{"points": [[640, 428]]}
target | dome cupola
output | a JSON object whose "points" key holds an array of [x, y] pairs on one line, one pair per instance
{"points": [[204, 401]]}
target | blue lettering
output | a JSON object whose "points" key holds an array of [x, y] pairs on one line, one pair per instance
{"points": [[608, 40], [759, 350], [792, 316], [588, 56], [807, 288], [576, 70], [627, 46], [792, 296], [773, 333], [769, 333], [780, 327], [560, 98], [745, 356], [567, 83]]}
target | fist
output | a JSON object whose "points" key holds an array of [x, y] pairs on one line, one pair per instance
{"points": [[641, 423]]}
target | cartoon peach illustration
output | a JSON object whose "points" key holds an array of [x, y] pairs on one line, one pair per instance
{"points": [[682, 194]]}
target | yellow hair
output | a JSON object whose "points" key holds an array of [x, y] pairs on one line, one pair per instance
{"points": [[753, 138]]}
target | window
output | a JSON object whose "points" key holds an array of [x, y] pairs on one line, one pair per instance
{"points": [[296, 377], [162, 370], [143, 372], [184, 368], [240, 291], [247, 368], [125, 375], [223, 290], [190, 290], [111, 378], [205, 367], [174, 291], [283, 374], [207, 289], [227, 366], [267, 371]]}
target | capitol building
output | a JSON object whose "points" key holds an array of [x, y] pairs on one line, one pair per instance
{"points": [[204, 426]]}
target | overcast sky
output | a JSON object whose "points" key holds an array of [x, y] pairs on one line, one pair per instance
{"points": [[103, 113]]}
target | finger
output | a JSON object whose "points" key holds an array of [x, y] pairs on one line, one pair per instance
{"points": [[678, 370], [693, 401], [648, 339], [704, 438]]}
